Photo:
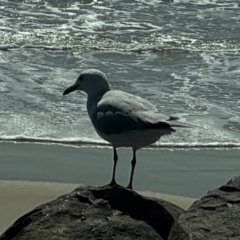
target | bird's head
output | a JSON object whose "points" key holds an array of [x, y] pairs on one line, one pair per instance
{"points": [[91, 81]]}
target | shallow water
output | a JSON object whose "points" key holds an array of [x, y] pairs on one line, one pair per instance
{"points": [[181, 55]]}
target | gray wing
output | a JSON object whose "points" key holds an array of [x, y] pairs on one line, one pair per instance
{"points": [[119, 111]]}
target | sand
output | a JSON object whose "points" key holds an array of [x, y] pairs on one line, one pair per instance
{"points": [[31, 174]]}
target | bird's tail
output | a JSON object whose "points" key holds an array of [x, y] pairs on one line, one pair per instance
{"points": [[173, 118], [176, 125]]}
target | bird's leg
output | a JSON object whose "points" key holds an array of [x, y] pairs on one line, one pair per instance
{"points": [[133, 162], [115, 159]]}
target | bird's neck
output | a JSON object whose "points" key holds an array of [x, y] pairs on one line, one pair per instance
{"points": [[97, 94], [92, 101]]}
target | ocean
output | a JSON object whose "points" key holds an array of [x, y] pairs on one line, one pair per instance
{"points": [[183, 56]]}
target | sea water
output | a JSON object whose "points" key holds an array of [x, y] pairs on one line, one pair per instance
{"points": [[181, 55]]}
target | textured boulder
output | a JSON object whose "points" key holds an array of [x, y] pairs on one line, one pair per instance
{"points": [[214, 217], [97, 213]]}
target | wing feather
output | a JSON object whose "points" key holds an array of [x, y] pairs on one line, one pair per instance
{"points": [[119, 111]]}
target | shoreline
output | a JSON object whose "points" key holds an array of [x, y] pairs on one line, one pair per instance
{"points": [[80, 144]]}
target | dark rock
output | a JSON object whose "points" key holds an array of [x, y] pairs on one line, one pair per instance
{"points": [[214, 217], [97, 213]]}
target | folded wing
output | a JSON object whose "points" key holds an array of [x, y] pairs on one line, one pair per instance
{"points": [[118, 111]]}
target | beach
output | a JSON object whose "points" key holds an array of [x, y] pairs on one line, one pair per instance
{"points": [[31, 174], [157, 50]]}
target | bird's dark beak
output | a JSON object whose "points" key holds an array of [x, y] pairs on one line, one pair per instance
{"points": [[70, 89]]}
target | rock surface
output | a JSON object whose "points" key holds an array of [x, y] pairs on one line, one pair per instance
{"points": [[214, 217], [97, 213], [118, 213]]}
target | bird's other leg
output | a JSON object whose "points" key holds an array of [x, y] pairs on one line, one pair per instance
{"points": [[133, 162], [115, 159]]}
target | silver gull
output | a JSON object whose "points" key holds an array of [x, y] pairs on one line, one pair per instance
{"points": [[121, 118]]}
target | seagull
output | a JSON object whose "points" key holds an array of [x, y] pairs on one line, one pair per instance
{"points": [[121, 118]]}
